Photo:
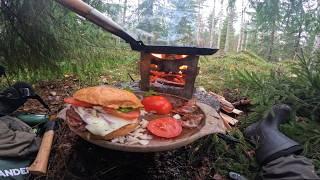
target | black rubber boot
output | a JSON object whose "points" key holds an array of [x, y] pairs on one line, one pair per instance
{"points": [[271, 143]]}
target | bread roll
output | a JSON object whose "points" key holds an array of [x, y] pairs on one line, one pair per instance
{"points": [[107, 96]]}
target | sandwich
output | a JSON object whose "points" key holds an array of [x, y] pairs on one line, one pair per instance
{"points": [[103, 112]]}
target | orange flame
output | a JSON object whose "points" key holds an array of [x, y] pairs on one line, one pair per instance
{"points": [[157, 55], [169, 56], [183, 67], [153, 66]]}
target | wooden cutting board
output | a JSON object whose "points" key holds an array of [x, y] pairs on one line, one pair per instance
{"points": [[211, 123]]}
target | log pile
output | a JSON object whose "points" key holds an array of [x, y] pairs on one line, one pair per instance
{"points": [[229, 108]]}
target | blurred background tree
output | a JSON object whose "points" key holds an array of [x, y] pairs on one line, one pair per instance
{"points": [[38, 31]]}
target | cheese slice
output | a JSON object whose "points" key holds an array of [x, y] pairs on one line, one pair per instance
{"points": [[99, 123]]}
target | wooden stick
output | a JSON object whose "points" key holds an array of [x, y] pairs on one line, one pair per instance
{"points": [[225, 105], [237, 111], [40, 164], [228, 119], [226, 124]]}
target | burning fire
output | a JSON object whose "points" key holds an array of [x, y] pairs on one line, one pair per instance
{"points": [[153, 66], [169, 56], [183, 67], [171, 78], [177, 78]]}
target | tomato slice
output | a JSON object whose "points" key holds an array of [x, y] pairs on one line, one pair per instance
{"points": [[74, 102], [167, 127], [128, 115], [158, 104]]}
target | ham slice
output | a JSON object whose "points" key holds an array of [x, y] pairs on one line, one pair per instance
{"points": [[75, 120], [191, 120], [188, 114], [189, 107]]}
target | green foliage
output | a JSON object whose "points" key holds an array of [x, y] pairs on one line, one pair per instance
{"points": [[110, 65], [266, 84], [267, 14], [216, 72], [150, 93], [38, 36], [185, 27], [296, 84], [306, 133], [226, 156], [268, 17], [147, 8], [229, 41], [28, 36], [223, 34], [299, 87], [279, 28], [293, 17]]}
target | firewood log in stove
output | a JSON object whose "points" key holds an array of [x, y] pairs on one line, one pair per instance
{"points": [[171, 83], [168, 78]]}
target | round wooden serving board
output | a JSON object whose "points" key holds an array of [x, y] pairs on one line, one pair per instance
{"points": [[212, 123]]}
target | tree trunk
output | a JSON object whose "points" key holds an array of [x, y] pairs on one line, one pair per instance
{"points": [[270, 49], [260, 46], [199, 25], [138, 1], [227, 46], [244, 40], [316, 46], [227, 42], [297, 42], [212, 29], [241, 34], [124, 12], [220, 25], [255, 36]]}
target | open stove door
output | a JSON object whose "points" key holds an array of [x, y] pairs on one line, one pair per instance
{"points": [[108, 24]]}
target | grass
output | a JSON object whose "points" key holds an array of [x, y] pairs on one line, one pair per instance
{"points": [[106, 65], [217, 71], [113, 66]]}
